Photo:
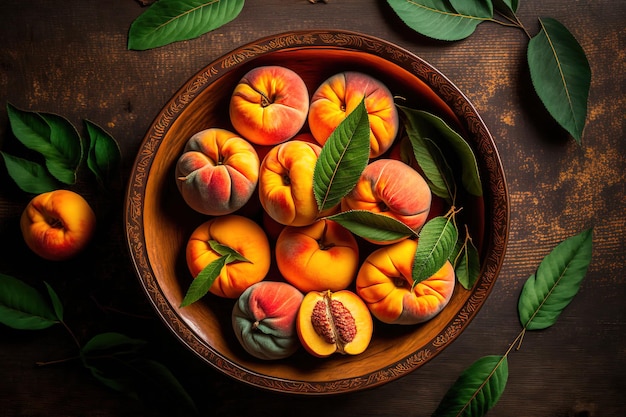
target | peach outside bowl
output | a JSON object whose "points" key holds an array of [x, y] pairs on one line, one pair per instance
{"points": [[158, 222]]}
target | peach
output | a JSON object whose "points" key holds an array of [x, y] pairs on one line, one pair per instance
{"points": [[321, 256], [269, 105], [391, 188], [264, 319], [217, 172], [263, 150], [385, 283], [340, 94], [286, 183], [58, 225], [236, 232], [330, 322]]}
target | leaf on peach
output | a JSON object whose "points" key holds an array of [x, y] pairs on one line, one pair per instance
{"points": [[200, 285], [342, 159], [430, 158], [225, 250], [373, 226], [466, 262], [428, 125], [437, 240]]}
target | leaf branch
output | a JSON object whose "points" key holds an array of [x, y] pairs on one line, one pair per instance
{"points": [[543, 297]]}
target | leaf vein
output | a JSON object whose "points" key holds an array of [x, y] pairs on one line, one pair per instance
{"points": [[445, 13], [561, 72]]}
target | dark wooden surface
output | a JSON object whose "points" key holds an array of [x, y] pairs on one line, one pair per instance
{"points": [[70, 58]]}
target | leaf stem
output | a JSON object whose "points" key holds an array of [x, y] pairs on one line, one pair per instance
{"points": [[512, 22], [74, 338], [108, 309], [516, 342], [523, 332], [56, 361]]}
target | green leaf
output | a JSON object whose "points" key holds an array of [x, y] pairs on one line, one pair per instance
{"points": [[112, 358], [437, 170], [478, 8], [22, 306], [168, 21], [53, 137], [466, 262], [344, 156], [111, 342], [64, 160], [30, 129], [436, 242], [555, 283], [115, 383], [426, 125], [162, 383], [104, 353], [561, 75], [29, 176], [224, 250], [200, 285], [430, 158], [476, 390], [145, 380], [103, 157], [439, 20], [56, 302], [506, 7], [372, 226]]}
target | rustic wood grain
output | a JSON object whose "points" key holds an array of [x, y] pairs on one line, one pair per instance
{"points": [[72, 60]]}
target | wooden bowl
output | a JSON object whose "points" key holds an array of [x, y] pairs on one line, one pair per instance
{"points": [[158, 222]]}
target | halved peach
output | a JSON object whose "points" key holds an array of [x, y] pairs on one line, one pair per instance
{"points": [[330, 322]]}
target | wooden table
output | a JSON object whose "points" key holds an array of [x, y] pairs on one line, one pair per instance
{"points": [[70, 58]]}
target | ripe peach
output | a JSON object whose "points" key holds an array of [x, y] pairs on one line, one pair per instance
{"points": [[217, 172], [304, 254], [402, 150], [392, 188], [286, 183], [330, 322], [385, 281], [340, 94], [263, 150], [57, 225], [264, 319], [238, 233], [269, 105]]}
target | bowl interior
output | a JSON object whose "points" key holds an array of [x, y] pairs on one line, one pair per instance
{"points": [[159, 222]]}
